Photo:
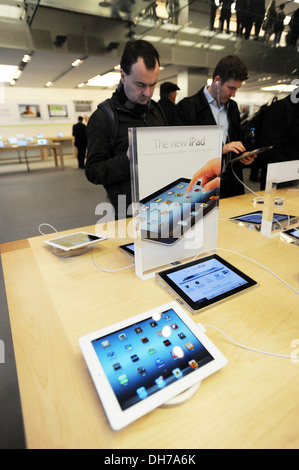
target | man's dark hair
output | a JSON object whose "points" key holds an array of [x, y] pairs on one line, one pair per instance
{"points": [[80, 118], [139, 48], [231, 68]]}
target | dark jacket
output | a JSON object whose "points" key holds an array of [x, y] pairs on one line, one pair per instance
{"points": [[170, 112], [79, 132], [195, 110], [280, 128], [109, 165]]}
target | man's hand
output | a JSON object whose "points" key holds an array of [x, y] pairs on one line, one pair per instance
{"points": [[208, 174]]}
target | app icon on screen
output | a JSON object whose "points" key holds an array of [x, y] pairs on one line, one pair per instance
{"points": [[141, 392], [123, 379], [160, 382], [135, 358], [177, 373]]}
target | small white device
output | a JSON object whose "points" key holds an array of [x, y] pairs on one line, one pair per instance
{"points": [[42, 141], [74, 241]]}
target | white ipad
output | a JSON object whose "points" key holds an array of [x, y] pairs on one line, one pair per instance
{"points": [[74, 241], [144, 361]]}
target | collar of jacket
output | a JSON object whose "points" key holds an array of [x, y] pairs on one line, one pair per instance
{"points": [[139, 110]]}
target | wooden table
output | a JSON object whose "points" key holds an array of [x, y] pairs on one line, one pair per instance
{"points": [[55, 148], [251, 403], [65, 141]]}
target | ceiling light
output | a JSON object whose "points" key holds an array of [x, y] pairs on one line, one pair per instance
{"points": [[202, 44], [190, 30], [9, 11], [217, 47], [26, 58], [169, 41], [17, 74], [207, 33], [185, 43], [77, 62], [110, 79], [81, 85], [7, 72], [171, 27], [49, 84], [152, 38], [280, 88]]}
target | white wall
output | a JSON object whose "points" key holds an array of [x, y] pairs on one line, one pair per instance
{"points": [[11, 124]]}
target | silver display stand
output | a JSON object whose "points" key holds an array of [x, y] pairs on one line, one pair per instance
{"points": [[158, 157], [277, 173]]}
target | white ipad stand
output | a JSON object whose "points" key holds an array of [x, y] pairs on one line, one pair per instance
{"points": [[67, 254], [182, 397]]}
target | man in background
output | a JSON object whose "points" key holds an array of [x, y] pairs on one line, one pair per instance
{"points": [[212, 105], [79, 132], [168, 92], [280, 129]]}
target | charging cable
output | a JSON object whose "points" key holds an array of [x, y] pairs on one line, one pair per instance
{"points": [[51, 226], [108, 270], [279, 201], [248, 348], [261, 265]]}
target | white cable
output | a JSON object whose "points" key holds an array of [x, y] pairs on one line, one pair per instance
{"points": [[260, 197], [242, 182], [108, 270], [94, 261], [261, 265], [250, 349], [44, 223]]}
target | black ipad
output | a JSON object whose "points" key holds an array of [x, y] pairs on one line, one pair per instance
{"points": [[251, 153], [291, 235], [256, 218], [168, 213], [204, 282], [128, 248]]}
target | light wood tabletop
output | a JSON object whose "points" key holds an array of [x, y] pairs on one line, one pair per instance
{"points": [[251, 403], [54, 147]]}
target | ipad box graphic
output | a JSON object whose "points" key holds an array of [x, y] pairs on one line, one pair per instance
{"points": [[175, 217]]}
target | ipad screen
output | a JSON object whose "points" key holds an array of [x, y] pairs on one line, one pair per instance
{"points": [[291, 234], [294, 233], [203, 282], [141, 359], [168, 213], [256, 217]]}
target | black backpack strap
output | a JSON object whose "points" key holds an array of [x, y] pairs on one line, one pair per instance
{"points": [[111, 114]]}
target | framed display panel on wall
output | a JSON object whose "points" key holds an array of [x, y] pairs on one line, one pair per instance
{"points": [[82, 106], [57, 110], [29, 111]]}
